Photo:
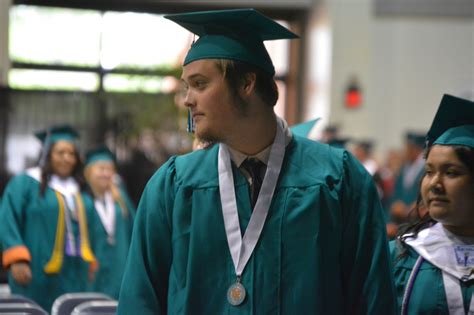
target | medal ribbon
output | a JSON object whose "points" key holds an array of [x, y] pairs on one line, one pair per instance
{"points": [[241, 249], [106, 213], [452, 288]]}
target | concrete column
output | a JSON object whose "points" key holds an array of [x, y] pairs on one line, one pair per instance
{"points": [[4, 28]]}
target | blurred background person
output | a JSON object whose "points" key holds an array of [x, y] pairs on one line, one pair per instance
{"points": [[116, 212], [4, 177], [408, 181], [45, 223], [330, 133], [434, 258], [363, 150]]}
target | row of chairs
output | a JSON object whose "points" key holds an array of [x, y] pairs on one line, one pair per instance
{"points": [[67, 304]]}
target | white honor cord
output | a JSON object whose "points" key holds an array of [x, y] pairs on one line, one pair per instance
{"points": [[242, 250], [452, 288]]}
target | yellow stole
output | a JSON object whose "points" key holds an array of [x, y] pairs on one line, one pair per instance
{"points": [[55, 262]]}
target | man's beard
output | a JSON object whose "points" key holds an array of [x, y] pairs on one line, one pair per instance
{"points": [[240, 108]]}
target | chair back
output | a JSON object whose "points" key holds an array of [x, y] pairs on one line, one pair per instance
{"points": [[15, 298], [96, 308], [21, 308], [65, 304]]}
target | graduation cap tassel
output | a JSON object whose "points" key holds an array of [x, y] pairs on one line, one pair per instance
{"points": [[190, 127], [45, 149]]}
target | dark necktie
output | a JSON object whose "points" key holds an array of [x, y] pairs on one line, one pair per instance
{"points": [[254, 168]]}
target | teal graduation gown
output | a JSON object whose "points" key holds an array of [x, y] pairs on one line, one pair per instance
{"points": [[428, 295], [112, 257], [407, 194], [323, 248], [29, 224]]}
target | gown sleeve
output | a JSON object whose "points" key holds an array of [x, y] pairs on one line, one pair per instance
{"points": [[15, 200], [365, 256], [145, 282]]}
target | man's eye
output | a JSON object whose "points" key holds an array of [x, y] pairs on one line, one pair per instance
{"points": [[200, 84]]}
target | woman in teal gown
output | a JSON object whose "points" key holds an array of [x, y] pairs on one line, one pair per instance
{"points": [[115, 213], [46, 221], [434, 258]]}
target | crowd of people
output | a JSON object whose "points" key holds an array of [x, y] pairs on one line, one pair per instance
{"points": [[258, 219]]}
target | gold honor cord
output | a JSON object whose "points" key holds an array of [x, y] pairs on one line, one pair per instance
{"points": [[55, 262], [86, 252]]}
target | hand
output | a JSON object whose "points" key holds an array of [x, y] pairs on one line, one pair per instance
{"points": [[91, 276], [21, 273]]}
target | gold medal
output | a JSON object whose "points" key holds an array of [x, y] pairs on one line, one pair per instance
{"points": [[236, 293]]}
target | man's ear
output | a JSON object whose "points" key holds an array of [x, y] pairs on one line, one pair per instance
{"points": [[248, 84]]}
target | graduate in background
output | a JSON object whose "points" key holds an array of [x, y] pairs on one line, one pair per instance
{"points": [[434, 258], [46, 223], [363, 151], [116, 213], [262, 222], [407, 183]]}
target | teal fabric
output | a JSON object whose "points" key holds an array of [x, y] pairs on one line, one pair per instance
{"points": [[112, 257], [231, 34], [304, 129], [323, 249], [453, 112], [428, 295], [101, 153], [30, 220], [56, 133], [462, 135], [99, 157], [407, 194]]}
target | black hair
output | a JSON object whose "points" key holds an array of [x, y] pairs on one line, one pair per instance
{"points": [[466, 156], [47, 171]]}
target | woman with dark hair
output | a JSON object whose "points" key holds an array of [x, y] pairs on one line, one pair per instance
{"points": [[45, 220], [434, 258]]}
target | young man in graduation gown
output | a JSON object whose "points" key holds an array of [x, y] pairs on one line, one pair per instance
{"points": [[261, 222]]}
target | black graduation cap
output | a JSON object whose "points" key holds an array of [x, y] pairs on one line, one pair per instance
{"points": [[366, 145], [416, 138]]}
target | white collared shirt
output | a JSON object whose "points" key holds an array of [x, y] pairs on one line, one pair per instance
{"points": [[263, 156]]}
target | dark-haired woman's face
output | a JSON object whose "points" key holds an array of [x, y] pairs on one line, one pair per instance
{"points": [[448, 188], [63, 158]]}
